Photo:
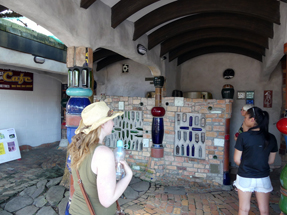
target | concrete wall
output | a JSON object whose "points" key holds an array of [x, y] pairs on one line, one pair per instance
{"points": [[205, 73], [172, 75], [111, 81], [20, 60], [76, 26], [276, 45], [35, 115]]}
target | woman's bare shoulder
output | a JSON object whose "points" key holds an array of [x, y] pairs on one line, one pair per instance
{"points": [[103, 151], [102, 155]]}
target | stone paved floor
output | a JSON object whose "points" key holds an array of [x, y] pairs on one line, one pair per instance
{"points": [[184, 198]]}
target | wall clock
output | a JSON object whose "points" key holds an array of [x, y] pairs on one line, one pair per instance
{"points": [[228, 74]]}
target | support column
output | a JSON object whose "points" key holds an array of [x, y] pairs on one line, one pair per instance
{"points": [[282, 127], [226, 175], [80, 79], [157, 122]]}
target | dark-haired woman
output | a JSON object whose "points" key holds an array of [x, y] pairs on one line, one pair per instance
{"points": [[255, 150]]}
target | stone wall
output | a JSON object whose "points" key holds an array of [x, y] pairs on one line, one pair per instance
{"points": [[172, 168]]}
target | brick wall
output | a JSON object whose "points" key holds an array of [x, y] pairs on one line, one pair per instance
{"points": [[172, 168]]}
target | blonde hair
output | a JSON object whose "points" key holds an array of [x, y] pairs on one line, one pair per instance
{"points": [[82, 144]]}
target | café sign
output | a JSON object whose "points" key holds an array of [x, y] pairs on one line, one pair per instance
{"points": [[16, 80]]}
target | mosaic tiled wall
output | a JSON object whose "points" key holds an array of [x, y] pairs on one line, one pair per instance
{"points": [[127, 128], [189, 135]]}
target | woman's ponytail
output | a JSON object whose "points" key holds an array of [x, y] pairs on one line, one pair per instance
{"points": [[262, 120], [265, 124]]}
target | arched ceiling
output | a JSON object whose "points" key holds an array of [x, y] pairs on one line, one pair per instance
{"points": [[185, 29]]}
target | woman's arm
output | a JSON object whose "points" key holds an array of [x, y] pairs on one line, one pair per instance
{"points": [[237, 156], [103, 164], [271, 158]]}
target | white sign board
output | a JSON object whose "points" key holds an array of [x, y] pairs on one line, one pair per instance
{"points": [[9, 148], [218, 142]]}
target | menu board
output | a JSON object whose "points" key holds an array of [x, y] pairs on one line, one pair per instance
{"points": [[9, 148]]}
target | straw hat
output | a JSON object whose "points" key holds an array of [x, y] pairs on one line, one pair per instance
{"points": [[95, 115]]}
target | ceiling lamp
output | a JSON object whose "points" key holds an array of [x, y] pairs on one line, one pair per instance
{"points": [[141, 49], [39, 60]]}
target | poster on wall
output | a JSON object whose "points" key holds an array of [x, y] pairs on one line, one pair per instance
{"points": [[16, 80], [9, 148], [267, 100]]}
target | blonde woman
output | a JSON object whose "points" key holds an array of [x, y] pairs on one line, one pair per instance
{"points": [[96, 163]]}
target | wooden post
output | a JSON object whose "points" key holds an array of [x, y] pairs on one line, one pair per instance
{"points": [[285, 51], [226, 175], [283, 198]]}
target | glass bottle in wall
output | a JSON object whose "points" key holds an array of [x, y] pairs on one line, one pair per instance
{"points": [[85, 78], [196, 137], [178, 119], [202, 137], [177, 150], [190, 121], [179, 135], [76, 74], [202, 122], [185, 136], [70, 78], [200, 152]]}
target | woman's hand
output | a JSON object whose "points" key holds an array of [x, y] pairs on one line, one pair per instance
{"points": [[127, 168]]}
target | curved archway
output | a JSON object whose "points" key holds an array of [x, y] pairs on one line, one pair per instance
{"points": [[268, 11], [188, 47], [218, 49], [225, 33], [210, 20]]}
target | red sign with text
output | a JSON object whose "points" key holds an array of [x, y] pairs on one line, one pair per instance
{"points": [[15, 80], [267, 100]]}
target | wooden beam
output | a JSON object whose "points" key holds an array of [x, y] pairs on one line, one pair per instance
{"points": [[87, 3], [214, 20], [102, 53], [267, 10], [12, 15], [225, 33], [188, 47], [125, 8], [108, 61], [217, 49], [2, 8]]}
